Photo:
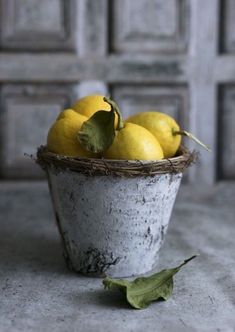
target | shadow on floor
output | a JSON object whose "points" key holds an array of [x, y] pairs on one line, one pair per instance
{"points": [[102, 298], [31, 251]]}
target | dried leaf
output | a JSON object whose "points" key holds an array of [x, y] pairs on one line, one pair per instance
{"points": [[142, 291], [97, 133]]}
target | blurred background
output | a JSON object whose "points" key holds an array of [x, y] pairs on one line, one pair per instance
{"points": [[176, 56]]}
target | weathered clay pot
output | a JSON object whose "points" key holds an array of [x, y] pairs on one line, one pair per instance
{"points": [[110, 224]]}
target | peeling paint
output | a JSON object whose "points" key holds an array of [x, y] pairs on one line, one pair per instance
{"points": [[107, 226]]}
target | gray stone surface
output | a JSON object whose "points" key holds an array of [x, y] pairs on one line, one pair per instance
{"points": [[38, 293]]}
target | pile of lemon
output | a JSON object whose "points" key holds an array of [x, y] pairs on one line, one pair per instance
{"points": [[93, 127]]}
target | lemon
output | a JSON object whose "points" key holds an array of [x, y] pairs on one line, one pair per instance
{"points": [[134, 142], [69, 113], [91, 104], [162, 126], [62, 136]]}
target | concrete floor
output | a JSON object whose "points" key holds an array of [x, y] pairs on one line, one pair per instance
{"points": [[38, 293]]}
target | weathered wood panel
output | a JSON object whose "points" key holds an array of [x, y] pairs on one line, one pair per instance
{"points": [[68, 68], [173, 101], [37, 25], [203, 93], [92, 28], [149, 26], [226, 133], [27, 113], [227, 38]]}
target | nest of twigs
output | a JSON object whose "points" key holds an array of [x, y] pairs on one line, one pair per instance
{"points": [[92, 166]]}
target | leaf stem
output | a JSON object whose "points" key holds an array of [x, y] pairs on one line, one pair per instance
{"points": [[189, 135], [115, 108], [188, 260]]}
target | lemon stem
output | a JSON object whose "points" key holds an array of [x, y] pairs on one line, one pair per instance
{"points": [[189, 135], [115, 108]]}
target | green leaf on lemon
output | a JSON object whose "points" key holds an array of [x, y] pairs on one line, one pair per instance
{"points": [[97, 133], [115, 108], [142, 291]]}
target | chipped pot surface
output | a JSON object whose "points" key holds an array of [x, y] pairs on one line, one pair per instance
{"points": [[112, 225]]}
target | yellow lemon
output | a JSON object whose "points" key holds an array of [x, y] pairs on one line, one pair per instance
{"points": [[62, 136], [91, 104], [162, 126], [69, 113], [134, 142]]}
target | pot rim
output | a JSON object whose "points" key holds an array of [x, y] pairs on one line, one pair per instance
{"points": [[94, 166]]}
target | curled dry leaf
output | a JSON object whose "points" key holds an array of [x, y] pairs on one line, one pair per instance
{"points": [[142, 291]]}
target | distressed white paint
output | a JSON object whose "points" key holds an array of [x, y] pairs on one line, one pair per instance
{"points": [[203, 119], [92, 27], [112, 225], [92, 87], [29, 111], [38, 25], [67, 67], [226, 157], [149, 26], [228, 26], [170, 100]]}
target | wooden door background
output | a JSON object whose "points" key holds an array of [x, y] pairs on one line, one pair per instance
{"points": [[176, 54]]}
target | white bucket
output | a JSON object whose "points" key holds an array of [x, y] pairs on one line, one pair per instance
{"points": [[112, 225]]}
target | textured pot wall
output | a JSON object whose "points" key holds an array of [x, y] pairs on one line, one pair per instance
{"points": [[112, 225]]}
